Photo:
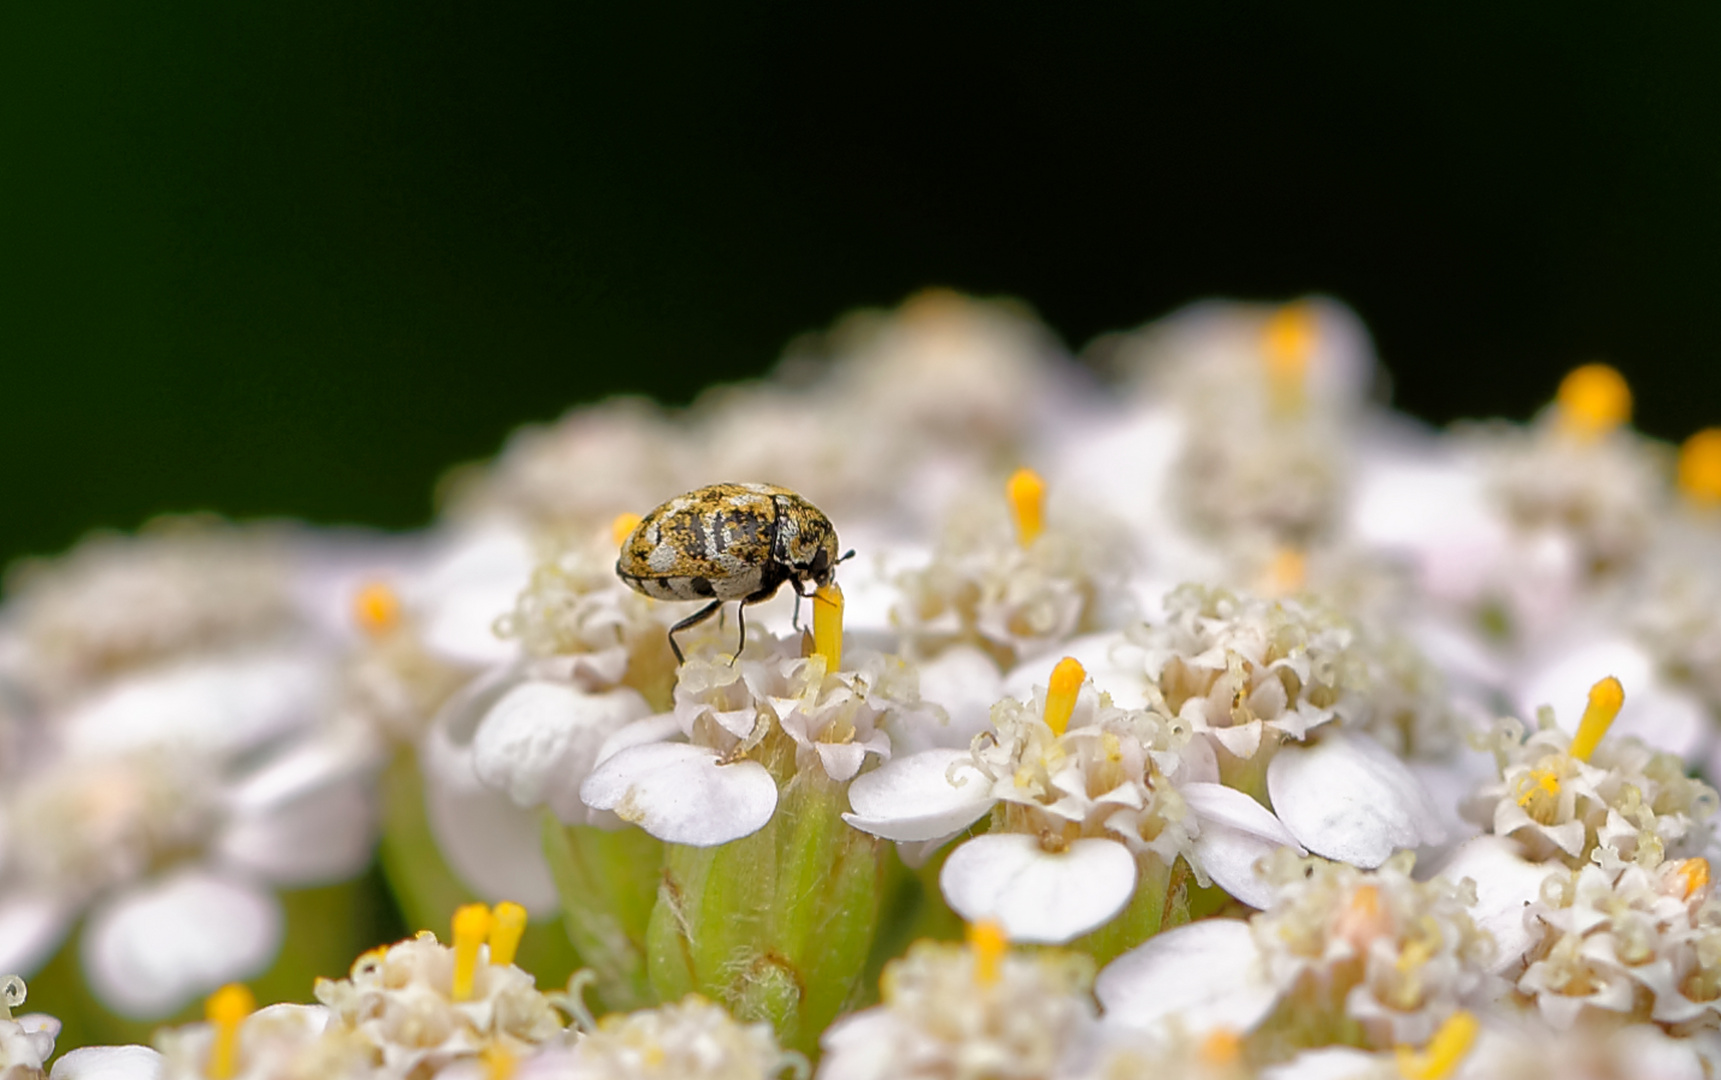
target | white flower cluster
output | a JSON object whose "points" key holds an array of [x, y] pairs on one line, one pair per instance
{"points": [[1335, 745]]}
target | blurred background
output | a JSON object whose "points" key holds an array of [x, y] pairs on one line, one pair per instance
{"points": [[300, 258]]}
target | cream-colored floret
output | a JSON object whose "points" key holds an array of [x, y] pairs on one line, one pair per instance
{"points": [[941, 1019], [984, 587], [1376, 952], [117, 602], [690, 1040], [399, 1000]]}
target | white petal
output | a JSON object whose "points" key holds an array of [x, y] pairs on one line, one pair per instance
{"points": [[1207, 975], [538, 743], [660, 728], [476, 580], [1330, 1063], [1039, 896], [840, 760], [1348, 798], [914, 798], [324, 835], [227, 704], [108, 1063], [679, 793], [1236, 832], [494, 846], [966, 682], [32, 925], [149, 951], [1506, 884]]}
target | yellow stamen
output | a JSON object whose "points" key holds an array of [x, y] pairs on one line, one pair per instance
{"points": [[1288, 572], [1067, 679], [471, 927], [989, 943], [1694, 873], [1287, 342], [507, 924], [1592, 401], [828, 625], [623, 526], [376, 608], [1606, 697], [225, 1010], [1221, 1047], [499, 1064], [1700, 467], [1444, 1052], [1027, 495]]}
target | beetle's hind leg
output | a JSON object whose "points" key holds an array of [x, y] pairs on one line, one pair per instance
{"points": [[693, 620]]}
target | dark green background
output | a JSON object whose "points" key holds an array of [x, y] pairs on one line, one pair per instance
{"points": [[299, 257]]}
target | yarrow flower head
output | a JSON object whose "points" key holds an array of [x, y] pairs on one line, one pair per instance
{"points": [[1345, 956], [1092, 806], [1584, 798], [1247, 671], [1637, 941], [969, 1012], [689, 1040], [709, 771], [120, 603], [1016, 585], [422, 1004]]}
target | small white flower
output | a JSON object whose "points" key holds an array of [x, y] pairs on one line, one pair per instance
{"points": [[967, 1014], [704, 781], [173, 850], [1079, 790], [990, 585], [690, 1040], [404, 1001], [1641, 942], [1588, 797], [1397, 956], [26, 1042]]}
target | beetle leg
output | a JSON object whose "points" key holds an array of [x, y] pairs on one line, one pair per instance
{"points": [[692, 620], [795, 584], [762, 595]]}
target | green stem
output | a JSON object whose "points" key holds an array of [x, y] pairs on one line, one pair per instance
{"points": [[776, 925], [607, 881]]}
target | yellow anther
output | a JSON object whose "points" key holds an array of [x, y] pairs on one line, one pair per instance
{"points": [[1537, 782], [376, 608], [623, 526], [1222, 1046], [499, 1063], [1700, 467], [1067, 679], [1694, 873], [1027, 495], [1287, 343], [989, 943], [1606, 697], [471, 927], [225, 1010], [507, 923], [828, 625], [1443, 1054], [1592, 401], [1288, 572]]}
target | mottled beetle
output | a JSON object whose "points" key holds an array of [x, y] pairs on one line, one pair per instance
{"points": [[729, 542]]}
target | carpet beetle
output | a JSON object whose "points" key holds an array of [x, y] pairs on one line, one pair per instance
{"points": [[729, 542]]}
